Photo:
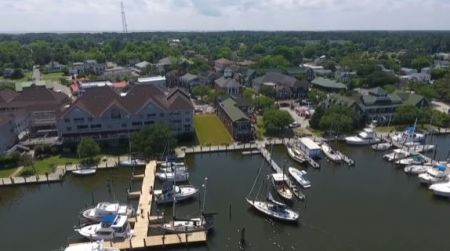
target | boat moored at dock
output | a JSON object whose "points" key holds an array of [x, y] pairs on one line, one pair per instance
{"points": [[396, 154], [280, 184], [132, 163], [89, 246], [171, 193], [299, 176], [365, 137], [331, 153], [106, 208], [433, 175], [112, 227], [441, 189], [274, 209]]}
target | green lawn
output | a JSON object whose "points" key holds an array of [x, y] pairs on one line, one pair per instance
{"points": [[211, 131], [4, 173], [260, 130], [46, 165], [53, 76]]}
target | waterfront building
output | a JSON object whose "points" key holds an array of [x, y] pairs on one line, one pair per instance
{"points": [[104, 114], [284, 86], [377, 104], [235, 120]]}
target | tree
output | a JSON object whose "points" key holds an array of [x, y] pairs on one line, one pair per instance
{"points": [[200, 91], [275, 121], [338, 119], [153, 141], [407, 114], [268, 91], [421, 61], [316, 96], [88, 148], [263, 102], [276, 61]]}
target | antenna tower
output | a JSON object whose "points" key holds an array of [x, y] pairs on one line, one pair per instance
{"points": [[124, 19]]}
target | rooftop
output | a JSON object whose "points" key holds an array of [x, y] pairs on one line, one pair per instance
{"points": [[328, 83], [233, 112], [151, 79]]}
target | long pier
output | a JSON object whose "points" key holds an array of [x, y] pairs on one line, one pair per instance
{"points": [[141, 238]]}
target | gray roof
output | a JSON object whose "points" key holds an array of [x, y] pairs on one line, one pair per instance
{"points": [[279, 79], [188, 77], [142, 64], [233, 112], [226, 82], [328, 83]]}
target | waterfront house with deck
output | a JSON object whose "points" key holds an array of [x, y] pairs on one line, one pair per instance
{"points": [[104, 114]]}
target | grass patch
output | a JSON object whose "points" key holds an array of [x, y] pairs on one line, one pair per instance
{"points": [[260, 130], [6, 172], [47, 165], [54, 76], [211, 131], [385, 129]]}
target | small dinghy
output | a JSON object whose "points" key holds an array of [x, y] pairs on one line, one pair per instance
{"points": [[298, 176], [105, 208], [330, 153], [85, 170], [274, 209], [172, 193], [111, 227], [382, 146]]}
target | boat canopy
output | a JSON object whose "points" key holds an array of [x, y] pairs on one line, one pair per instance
{"points": [[411, 130], [441, 167], [109, 219]]}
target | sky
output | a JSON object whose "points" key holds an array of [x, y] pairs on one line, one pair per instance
{"points": [[207, 15]]}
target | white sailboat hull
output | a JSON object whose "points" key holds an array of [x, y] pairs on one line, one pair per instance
{"points": [[132, 162], [85, 171], [182, 193], [264, 207], [441, 189], [178, 177], [332, 155], [294, 155]]}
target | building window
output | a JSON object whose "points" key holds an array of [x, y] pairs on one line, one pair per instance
{"points": [[90, 119], [124, 125], [115, 114], [161, 115], [151, 115], [68, 128], [149, 122], [66, 120], [96, 126], [136, 123], [78, 119], [82, 127]]}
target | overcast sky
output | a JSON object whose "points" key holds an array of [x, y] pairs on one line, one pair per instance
{"points": [[202, 15]]}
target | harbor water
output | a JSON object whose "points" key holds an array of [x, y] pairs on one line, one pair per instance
{"points": [[371, 206]]}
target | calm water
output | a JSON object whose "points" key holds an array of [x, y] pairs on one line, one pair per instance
{"points": [[372, 206]]}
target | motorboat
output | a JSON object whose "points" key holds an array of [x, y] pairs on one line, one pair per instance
{"points": [[132, 163], [295, 154], [420, 148], [409, 135], [365, 137], [417, 169], [413, 160], [85, 170], [89, 246], [203, 223], [274, 209], [171, 163], [280, 184], [382, 146], [330, 153], [173, 169], [397, 154], [434, 175], [111, 227], [173, 176], [298, 176], [106, 208], [171, 193], [441, 189]]}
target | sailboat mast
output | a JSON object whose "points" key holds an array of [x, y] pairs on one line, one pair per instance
{"points": [[204, 194]]}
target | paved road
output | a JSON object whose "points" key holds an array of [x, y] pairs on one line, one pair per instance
{"points": [[299, 119], [440, 106]]}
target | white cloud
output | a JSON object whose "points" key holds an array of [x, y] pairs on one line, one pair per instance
{"points": [[97, 15]]}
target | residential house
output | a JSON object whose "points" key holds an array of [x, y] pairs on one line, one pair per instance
{"points": [[36, 106], [229, 85], [377, 104], [249, 76], [54, 66], [328, 84], [285, 86], [117, 73], [235, 120], [141, 67], [189, 80], [104, 114], [312, 71], [344, 76], [8, 137], [87, 67], [222, 63], [19, 86]]}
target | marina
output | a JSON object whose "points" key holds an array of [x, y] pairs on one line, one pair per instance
{"points": [[317, 231]]}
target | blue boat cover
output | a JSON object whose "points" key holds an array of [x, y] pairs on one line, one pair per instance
{"points": [[109, 219], [441, 167], [411, 130]]}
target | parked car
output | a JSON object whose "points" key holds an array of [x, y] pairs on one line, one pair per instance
{"points": [[294, 125]]}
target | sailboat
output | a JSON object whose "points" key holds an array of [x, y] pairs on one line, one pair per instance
{"points": [[270, 206], [279, 183], [172, 192], [331, 153], [202, 223]]}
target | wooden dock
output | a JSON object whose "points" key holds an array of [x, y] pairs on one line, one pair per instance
{"points": [[141, 238]]}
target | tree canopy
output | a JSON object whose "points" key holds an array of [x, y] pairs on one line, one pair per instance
{"points": [[275, 121], [153, 141], [88, 148]]}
